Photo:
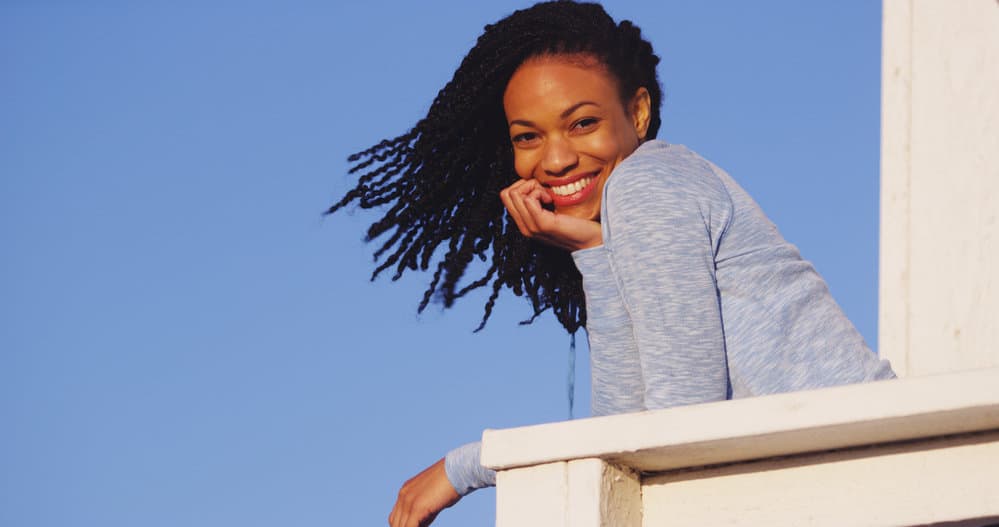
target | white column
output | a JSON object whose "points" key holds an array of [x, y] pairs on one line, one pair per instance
{"points": [[940, 186]]}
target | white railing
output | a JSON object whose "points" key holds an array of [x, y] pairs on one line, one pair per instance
{"points": [[904, 452]]}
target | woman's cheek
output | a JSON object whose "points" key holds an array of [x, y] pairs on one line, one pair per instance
{"points": [[602, 146], [523, 165]]}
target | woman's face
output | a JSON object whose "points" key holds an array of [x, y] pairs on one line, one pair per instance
{"points": [[569, 128]]}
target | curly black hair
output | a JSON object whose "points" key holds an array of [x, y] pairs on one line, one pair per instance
{"points": [[441, 180]]}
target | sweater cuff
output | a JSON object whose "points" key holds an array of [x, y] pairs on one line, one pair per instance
{"points": [[464, 470]]}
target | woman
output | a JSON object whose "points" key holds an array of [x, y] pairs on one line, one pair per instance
{"points": [[688, 293]]}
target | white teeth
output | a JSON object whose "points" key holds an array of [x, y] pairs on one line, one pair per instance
{"points": [[571, 188]]}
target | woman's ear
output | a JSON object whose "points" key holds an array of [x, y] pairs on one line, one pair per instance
{"points": [[640, 110]]}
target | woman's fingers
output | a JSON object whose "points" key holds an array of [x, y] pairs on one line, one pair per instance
{"points": [[525, 200], [514, 198], [508, 202], [543, 218]]}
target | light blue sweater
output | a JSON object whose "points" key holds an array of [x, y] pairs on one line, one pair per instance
{"points": [[695, 297]]}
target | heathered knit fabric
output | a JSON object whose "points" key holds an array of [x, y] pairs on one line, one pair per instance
{"points": [[693, 297]]}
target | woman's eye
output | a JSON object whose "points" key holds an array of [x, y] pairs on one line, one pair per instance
{"points": [[524, 139], [585, 123]]}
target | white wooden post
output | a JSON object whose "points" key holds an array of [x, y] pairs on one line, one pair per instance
{"points": [[939, 276], [603, 495], [577, 493]]}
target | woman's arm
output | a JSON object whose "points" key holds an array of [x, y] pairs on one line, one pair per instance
{"points": [[440, 486], [616, 372], [664, 217]]}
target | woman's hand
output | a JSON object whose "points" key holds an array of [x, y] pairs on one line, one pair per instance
{"points": [[524, 201], [423, 497]]}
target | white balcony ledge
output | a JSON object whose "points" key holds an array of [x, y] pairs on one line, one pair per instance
{"points": [[903, 452]]}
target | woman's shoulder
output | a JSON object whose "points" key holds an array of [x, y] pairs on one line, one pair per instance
{"points": [[663, 185], [656, 155], [666, 171]]}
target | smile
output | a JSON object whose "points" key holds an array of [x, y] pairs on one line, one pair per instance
{"points": [[571, 188], [580, 190]]}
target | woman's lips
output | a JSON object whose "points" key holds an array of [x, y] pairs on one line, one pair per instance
{"points": [[576, 191]]}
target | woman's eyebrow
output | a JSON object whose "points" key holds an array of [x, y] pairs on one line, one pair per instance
{"points": [[568, 111], [565, 113]]}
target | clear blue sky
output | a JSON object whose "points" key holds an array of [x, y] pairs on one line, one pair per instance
{"points": [[184, 340]]}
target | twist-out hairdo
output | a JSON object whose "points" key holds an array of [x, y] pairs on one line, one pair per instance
{"points": [[440, 182]]}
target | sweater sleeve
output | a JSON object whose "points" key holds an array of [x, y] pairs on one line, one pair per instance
{"points": [[465, 471], [615, 370], [661, 226]]}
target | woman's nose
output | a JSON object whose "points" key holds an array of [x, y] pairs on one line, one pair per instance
{"points": [[559, 157]]}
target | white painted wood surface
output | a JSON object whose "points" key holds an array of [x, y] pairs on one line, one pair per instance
{"points": [[603, 495], [939, 268], [578, 493], [760, 427], [532, 496], [913, 484], [908, 452]]}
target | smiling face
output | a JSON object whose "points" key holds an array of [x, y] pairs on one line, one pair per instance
{"points": [[569, 128]]}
